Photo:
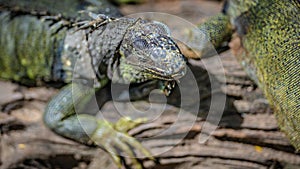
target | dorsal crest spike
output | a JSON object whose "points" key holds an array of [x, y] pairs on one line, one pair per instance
{"points": [[98, 20]]}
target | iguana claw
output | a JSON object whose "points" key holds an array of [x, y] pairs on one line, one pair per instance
{"points": [[126, 123]]}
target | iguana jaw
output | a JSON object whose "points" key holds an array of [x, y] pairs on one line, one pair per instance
{"points": [[161, 74]]}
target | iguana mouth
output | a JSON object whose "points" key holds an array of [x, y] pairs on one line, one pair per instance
{"points": [[165, 83], [166, 86], [144, 88], [161, 74]]}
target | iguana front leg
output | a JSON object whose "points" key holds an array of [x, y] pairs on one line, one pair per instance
{"points": [[215, 32], [61, 116], [218, 29]]}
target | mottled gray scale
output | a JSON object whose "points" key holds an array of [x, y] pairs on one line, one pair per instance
{"points": [[152, 27], [103, 51], [156, 27], [76, 58]]}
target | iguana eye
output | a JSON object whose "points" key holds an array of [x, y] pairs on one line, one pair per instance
{"points": [[158, 53], [140, 44]]}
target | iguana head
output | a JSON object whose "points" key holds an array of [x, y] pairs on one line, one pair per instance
{"points": [[148, 52]]}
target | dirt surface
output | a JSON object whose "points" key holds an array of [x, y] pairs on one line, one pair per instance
{"points": [[247, 135]]}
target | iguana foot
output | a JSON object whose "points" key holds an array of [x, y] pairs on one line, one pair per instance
{"points": [[114, 139]]}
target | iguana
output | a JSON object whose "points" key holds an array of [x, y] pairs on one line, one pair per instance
{"points": [[50, 41], [265, 37]]}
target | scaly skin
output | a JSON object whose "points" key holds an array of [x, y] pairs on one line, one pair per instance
{"points": [[44, 48], [270, 37], [44, 24]]}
